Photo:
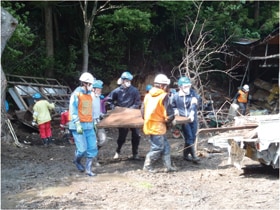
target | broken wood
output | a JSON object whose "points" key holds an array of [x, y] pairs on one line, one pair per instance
{"points": [[228, 128], [122, 117]]}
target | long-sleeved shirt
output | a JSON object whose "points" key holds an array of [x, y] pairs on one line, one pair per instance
{"points": [[41, 112]]}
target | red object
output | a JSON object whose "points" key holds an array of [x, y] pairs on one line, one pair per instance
{"points": [[64, 119], [45, 130]]}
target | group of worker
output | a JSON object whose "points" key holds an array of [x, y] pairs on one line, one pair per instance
{"points": [[158, 110]]}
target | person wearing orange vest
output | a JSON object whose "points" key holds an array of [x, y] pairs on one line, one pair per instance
{"points": [[81, 124], [242, 97], [157, 113]]}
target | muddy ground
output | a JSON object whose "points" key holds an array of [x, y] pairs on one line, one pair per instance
{"points": [[38, 177]]}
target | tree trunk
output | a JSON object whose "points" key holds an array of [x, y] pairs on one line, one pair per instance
{"points": [[85, 47], [49, 38], [8, 26]]}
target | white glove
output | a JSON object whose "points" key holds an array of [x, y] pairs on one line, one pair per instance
{"points": [[194, 100], [191, 116], [34, 123], [176, 112], [174, 122]]}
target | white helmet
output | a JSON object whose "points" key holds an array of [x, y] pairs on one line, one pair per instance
{"points": [[87, 77], [246, 88], [162, 79]]}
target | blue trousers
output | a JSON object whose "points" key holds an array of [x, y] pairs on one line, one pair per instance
{"points": [[159, 146], [85, 143], [189, 132]]}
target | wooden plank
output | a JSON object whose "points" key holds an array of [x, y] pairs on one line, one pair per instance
{"points": [[128, 118], [228, 128]]}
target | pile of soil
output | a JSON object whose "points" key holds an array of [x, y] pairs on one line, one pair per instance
{"points": [[39, 177]]}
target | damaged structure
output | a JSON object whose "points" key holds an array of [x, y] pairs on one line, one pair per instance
{"points": [[21, 89]]}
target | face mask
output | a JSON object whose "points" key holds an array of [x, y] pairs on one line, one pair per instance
{"points": [[127, 84], [186, 90], [97, 94], [89, 87]]}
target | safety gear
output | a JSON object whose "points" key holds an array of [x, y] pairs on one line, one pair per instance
{"points": [[186, 90], [174, 122], [77, 162], [156, 124], [34, 123], [187, 152], [191, 116], [167, 162], [97, 84], [195, 159], [127, 84], [119, 82], [87, 77], [162, 79], [88, 167], [148, 165], [79, 128], [243, 97], [194, 100], [37, 96], [148, 87], [176, 112], [84, 107], [246, 88], [126, 75], [45, 141], [184, 81]]}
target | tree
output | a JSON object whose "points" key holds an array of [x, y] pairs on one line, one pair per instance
{"points": [[88, 21], [8, 26]]}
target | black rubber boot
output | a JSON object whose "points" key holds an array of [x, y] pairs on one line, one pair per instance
{"points": [[187, 152], [77, 162], [195, 159], [88, 167]]}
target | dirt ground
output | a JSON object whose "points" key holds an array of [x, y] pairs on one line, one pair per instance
{"points": [[38, 177]]}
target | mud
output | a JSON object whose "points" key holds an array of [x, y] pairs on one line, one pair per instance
{"points": [[38, 177]]}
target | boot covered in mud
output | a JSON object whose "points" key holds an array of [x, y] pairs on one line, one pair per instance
{"points": [[195, 159], [148, 165], [88, 167], [167, 162], [187, 152], [45, 141], [77, 162]]}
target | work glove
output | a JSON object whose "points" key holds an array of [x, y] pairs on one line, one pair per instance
{"points": [[176, 112], [194, 100], [34, 123], [191, 116], [174, 122], [79, 128]]}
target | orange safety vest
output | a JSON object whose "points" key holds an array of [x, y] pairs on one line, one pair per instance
{"points": [[85, 107], [154, 115], [243, 97]]}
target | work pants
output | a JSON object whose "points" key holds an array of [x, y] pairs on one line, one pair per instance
{"points": [[135, 139]]}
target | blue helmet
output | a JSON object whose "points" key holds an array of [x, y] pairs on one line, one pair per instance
{"points": [[148, 87], [97, 84], [184, 81], [127, 75], [37, 96]]}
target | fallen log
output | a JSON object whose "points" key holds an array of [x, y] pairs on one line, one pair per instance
{"points": [[129, 118]]}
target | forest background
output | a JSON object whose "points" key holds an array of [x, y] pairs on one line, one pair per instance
{"points": [[61, 39]]}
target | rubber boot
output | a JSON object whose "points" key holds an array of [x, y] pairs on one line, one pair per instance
{"points": [[195, 159], [167, 162], [45, 142], [148, 165], [88, 167], [187, 152], [77, 162]]}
